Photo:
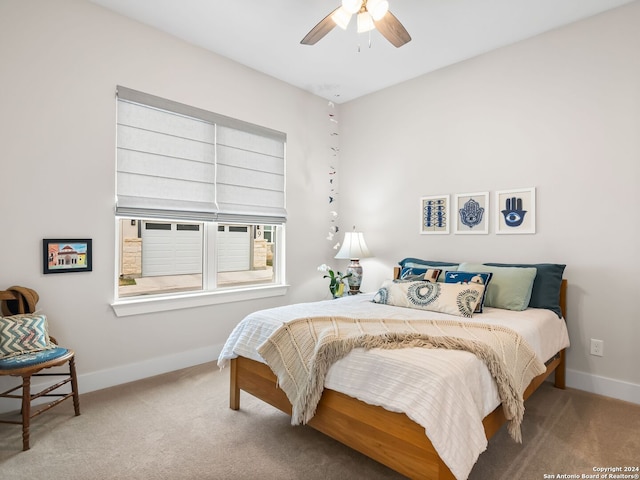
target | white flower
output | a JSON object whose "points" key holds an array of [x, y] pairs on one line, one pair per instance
{"points": [[324, 268]]}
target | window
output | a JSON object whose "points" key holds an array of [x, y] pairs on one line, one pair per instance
{"points": [[200, 201]]}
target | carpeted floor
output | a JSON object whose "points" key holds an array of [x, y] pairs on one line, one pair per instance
{"points": [[178, 426]]}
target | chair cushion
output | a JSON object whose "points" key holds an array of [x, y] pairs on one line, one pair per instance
{"points": [[32, 358], [23, 333]]}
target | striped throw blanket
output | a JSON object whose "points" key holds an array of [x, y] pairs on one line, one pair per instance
{"points": [[301, 352]]}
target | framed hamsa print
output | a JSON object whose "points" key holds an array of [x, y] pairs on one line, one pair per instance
{"points": [[434, 214], [471, 213], [515, 211]]}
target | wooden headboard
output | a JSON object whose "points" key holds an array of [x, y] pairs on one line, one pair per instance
{"points": [[563, 298]]}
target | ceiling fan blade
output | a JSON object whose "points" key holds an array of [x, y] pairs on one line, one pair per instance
{"points": [[320, 30], [391, 29]]}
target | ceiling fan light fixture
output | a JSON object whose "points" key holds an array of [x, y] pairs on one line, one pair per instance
{"points": [[365, 22], [373, 14], [377, 8], [352, 6], [341, 18]]}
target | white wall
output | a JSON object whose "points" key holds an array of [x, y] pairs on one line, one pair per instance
{"points": [[60, 64], [559, 112]]}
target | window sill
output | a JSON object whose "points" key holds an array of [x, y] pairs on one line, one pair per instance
{"points": [[163, 303]]}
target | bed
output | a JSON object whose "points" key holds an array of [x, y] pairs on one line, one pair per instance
{"points": [[385, 422]]}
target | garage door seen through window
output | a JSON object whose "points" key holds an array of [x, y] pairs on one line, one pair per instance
{"points": [[162, 257]]}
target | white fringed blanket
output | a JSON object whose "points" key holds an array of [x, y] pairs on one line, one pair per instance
{"points": [[301, 352]]}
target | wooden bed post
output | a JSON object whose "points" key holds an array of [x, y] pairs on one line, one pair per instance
{"points": [[560, 378], [234, 391], [561, 370]]}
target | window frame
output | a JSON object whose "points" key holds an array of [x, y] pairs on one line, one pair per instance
{"points": [[210, 294], [275, 214]]}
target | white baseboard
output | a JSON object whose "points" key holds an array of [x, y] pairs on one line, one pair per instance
{"points": [[89, 382], [608, 387]]}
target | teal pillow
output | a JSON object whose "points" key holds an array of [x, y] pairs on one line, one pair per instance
{"points": [[419, 263], [510, 287], [546, 286]]}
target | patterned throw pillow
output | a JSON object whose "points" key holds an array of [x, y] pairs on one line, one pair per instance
{"points": [[470, 277], [413, 274], [23, 333], [458, 299]]}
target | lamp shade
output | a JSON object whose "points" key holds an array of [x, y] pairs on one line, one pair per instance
{"points": [[352, 6], [377, 8], [365, 22], [353, 246], [341, 18]]}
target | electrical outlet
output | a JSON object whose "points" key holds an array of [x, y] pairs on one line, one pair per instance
{"points": [[597, 347]]}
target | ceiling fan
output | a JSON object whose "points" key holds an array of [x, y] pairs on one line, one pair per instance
{"points": [[370, 14]]}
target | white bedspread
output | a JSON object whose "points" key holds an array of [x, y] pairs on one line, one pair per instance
{"points": [[448, 392]]}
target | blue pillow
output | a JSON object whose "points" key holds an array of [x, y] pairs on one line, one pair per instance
{"points": [[416, 262], [482, 278], [546, 284], [413, 274]]}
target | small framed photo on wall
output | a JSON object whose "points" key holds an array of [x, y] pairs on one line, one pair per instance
{"points": [[516, 211], [434, 214], [66, 255], [471, 213]]}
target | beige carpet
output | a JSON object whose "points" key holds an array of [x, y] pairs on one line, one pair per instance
{"points": [[178, 426]]}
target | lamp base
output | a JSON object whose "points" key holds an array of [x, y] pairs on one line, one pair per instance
{"points": [[354, 281]]}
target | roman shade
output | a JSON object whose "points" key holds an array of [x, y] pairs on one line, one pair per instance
{"points": [[177, 161], [250, 169]]}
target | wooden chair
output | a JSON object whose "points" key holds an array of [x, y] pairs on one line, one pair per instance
{"points": [[29, 365]]}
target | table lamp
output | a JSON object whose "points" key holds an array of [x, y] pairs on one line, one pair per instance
{"points": [[354, 248]]}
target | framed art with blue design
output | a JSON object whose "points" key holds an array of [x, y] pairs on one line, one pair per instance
{"points": [[434, 214], [471, 213], [515, 211]]}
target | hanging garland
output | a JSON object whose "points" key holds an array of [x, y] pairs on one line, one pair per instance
{"points": [[333, 174]]}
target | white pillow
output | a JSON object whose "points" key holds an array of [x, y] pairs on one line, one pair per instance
{"points": [[452, 298]]}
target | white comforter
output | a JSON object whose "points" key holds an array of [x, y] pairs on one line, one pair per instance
{"points": [[448, 392]]}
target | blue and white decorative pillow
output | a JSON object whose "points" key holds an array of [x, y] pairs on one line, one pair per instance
{"points": [[458, 299], [470, 277], [418, 273], [23, 334], [414, 274]]}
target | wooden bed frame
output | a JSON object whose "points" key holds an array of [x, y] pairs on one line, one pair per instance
{"points": [[387, 437]]}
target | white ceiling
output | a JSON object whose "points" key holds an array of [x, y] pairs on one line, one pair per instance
{"points": [[265, 35]]}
